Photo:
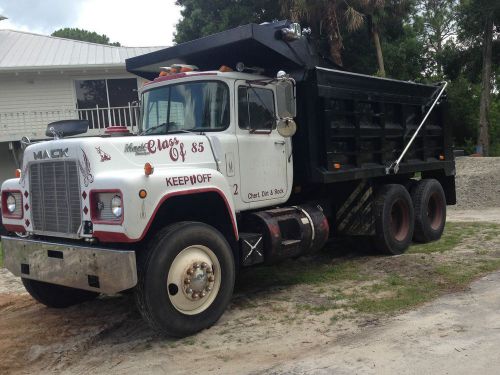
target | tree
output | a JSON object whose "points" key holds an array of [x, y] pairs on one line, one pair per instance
{"points": [[435, 22], [403, 49], [337, 17], [83, 35], [477, 19], [374, 13], [201, 18], [324, 17]]}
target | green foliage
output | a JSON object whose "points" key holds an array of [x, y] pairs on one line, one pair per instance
{"points": [[463, 98], [495, 125], [454, 234], [201, 17], [434, 22], [83, 35], [471, 15], [402, 53]]}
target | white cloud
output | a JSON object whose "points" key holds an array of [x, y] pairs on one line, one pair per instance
{"points": [[130, 22], [39, 16]]}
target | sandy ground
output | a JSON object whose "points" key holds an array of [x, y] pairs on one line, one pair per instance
{"points": [[487, 214], [258, 334], [455, 334]]}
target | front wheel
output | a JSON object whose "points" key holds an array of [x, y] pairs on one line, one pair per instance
{"points": [[57, 296], [185, 278]]}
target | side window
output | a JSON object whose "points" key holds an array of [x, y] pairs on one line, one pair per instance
{"points": [[256, 108]]}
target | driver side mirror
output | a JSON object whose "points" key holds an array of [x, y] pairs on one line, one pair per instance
{"points": [[287, 107], [285, 98]]}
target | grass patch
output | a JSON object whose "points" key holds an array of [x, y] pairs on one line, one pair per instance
{"points": [[388, 285], [295, 272], [459, 274], [400, 293], [402, 296], [316, 309], [454, 234]]}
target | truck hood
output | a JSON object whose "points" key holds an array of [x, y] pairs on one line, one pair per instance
{"points": [[99, 154]]}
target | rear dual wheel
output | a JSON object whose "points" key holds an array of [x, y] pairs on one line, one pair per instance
{"points": [[429, 202], [401, 216], [394, 219]]}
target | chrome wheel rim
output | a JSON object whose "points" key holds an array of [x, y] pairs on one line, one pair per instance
{"points": [[194, 279]]}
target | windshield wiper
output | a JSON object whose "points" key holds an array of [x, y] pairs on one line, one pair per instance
{"points": [[150, 130]]}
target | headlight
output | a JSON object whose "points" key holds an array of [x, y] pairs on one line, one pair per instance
{"points": [[106, 207], [11, 203], [116, 206]]}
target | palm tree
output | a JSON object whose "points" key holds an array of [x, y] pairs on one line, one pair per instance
{"points": [[330, 16], [322, 17], [327, 17], [371, 11]]}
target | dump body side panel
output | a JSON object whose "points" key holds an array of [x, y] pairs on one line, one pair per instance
{"points": [[353, 126]]}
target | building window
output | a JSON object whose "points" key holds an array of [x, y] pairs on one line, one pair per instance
{"points": [[256, 108], [105, 102]]}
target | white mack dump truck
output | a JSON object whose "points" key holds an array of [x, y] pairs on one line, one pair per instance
{"points": [[236, 163]]}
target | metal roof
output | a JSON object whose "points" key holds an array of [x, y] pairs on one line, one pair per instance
{"points": [[21, 50]]}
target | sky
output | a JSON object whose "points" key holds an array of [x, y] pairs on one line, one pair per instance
{"points": [[134, 23]]}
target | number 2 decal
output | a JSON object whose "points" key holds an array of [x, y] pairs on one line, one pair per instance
{"points": [[235, 186]]}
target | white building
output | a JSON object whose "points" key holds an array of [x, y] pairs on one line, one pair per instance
{"points": [[45, 79]]}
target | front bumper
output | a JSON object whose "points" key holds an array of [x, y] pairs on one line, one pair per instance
{"points": [[90, 268]]}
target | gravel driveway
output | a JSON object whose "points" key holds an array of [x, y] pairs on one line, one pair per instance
{"points": [[456, 334]]}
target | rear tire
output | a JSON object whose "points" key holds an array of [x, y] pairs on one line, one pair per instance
{"points": [[185, 278], [429, 202], [394, 219], [57, 296]]}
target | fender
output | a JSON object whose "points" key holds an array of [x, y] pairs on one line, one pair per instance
{"points": [[122, 237]]}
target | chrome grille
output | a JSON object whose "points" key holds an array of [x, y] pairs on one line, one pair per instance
{"points": [[55, 196]]}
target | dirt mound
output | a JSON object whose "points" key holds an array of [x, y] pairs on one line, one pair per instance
{"points": [[478, 182]]}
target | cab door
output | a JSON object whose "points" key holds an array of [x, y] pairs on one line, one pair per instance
{"points": [[262, 151]]}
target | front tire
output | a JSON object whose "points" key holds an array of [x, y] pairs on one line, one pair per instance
{"points": [[56, 296], [394, 219], [185, 278]]}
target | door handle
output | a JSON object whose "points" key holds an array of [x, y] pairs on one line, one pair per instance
{"points": [[279, 142]]}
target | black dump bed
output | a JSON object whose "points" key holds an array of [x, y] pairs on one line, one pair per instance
{"points": [[358, 125], [350, 126]]}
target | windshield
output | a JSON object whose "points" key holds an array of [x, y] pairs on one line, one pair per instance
{"points": [[192, 106]]}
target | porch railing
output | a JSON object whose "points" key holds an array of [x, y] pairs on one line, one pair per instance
{"points": [[102, 117], [14, 125]]}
